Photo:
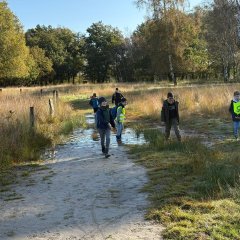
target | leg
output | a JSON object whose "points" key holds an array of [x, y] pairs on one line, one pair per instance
{"points": [[167, 130], [108, 133], [176, 129], [235, 128], [102, 134], [119, 130]]}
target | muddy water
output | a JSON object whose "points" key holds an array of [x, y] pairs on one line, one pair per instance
{"points": [[81, 195]]}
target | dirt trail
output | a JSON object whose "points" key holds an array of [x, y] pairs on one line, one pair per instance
{"points": [[81, 195]]}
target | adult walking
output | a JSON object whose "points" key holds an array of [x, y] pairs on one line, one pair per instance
{"points": [[170, 116], [116, 97], [104, 123]]}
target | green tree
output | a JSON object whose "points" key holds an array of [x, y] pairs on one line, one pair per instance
{"points": [[103, 51], [42, 69], [62, 46], [14, 54]]}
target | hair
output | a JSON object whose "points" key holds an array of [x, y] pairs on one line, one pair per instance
{"points": [[116, 89], [236, 93], [170, 95], [94, 95]]}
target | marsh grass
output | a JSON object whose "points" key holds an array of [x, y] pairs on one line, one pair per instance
{"points": [[194, 190]]}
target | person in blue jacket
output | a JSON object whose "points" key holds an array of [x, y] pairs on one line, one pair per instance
{"points": [[234, 109], [104, 122], [94, 102]]}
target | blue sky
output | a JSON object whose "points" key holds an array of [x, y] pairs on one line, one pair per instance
{"points": [[78, 15]]}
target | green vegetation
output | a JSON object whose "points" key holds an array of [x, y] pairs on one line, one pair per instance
{"points": [[194, 190]]}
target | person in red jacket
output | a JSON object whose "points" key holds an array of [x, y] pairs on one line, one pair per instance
{"points": [[170, 116]]}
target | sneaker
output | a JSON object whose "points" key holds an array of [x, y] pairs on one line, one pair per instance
{"points": [[107, 155], [236, 137]]}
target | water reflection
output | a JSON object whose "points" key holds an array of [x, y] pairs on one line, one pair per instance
{"points": [[83, 142]]}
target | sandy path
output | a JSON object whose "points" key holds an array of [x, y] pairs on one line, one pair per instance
{"points": [[81, 195]]}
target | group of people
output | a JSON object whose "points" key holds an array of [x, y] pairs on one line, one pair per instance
{"points": [[105, 118]]}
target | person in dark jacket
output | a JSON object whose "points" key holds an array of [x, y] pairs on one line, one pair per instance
{"points": [[116, 97], [94, 102], [234, 109], [104, 121], [170, 116]]}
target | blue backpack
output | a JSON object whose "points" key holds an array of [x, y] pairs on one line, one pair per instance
{"points": [[94, 102], [114, 112]]}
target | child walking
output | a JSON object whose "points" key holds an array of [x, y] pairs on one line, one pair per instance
{"points": [[170, 116], [234, 109], [121, 116], [104, 121]]}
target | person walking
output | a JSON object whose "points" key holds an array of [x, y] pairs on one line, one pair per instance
{"points": [[121, 116], [234, 109], [116, 97], [94, 102], [170, 116], [104, 121]]}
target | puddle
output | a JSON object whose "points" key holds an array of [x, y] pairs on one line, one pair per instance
{"points": [[80, 139]]}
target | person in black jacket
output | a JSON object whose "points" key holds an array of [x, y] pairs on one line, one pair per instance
{"points": [[104, 122], [170, 116], [234, 109], [116, 97]]}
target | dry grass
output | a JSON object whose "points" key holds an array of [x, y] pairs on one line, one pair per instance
{"points": [[18, 143]]}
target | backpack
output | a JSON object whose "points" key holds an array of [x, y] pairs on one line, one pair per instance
{"points": [[94, 102], [113, 112]]}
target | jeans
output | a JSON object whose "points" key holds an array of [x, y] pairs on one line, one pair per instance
{"points": [[105, 135], [236, 125], [119, 129], [172, 122]]}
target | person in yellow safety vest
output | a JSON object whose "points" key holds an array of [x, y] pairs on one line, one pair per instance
{"points": [[121, 116], [234, 109]]}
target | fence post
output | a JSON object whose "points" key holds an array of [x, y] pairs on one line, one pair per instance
{"points": [[20, 91], [32, 118], [41, 92], [51, 107], [0, 90]]}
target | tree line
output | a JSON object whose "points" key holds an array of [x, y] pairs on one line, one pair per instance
{"points": [[171, 44]]}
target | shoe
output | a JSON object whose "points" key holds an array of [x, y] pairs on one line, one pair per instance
{"points": [[107, 155], [236, 137], [103, 150]]}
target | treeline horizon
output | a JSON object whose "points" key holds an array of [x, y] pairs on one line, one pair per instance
{"points": [[170, 45]]}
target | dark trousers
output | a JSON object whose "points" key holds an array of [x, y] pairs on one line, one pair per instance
{"points": [[172, 122], [105, 136]]}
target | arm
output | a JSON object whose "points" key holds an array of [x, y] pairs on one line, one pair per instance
{"points": [[112, 122], [163, 117], [113, 98], [231, 108], [90, 102]]}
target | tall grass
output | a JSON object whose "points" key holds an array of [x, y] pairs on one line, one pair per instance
{"points": [[18, 143]]}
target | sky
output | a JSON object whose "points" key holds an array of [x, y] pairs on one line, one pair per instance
{"points": [[78, 15]]}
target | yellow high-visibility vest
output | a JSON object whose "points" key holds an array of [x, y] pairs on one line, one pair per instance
{"points": [[236, 107], [122, 115]]}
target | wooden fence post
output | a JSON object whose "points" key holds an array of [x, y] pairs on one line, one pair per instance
{"points": [[51, 107], [20, 91], [32, 118], [41, 92], [0, 90]]}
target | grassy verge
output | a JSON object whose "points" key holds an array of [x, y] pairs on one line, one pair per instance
{"points": [[18, 142], [194, 191]]}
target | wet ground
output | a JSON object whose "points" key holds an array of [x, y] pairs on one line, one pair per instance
{"points": [[80, 194]]}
